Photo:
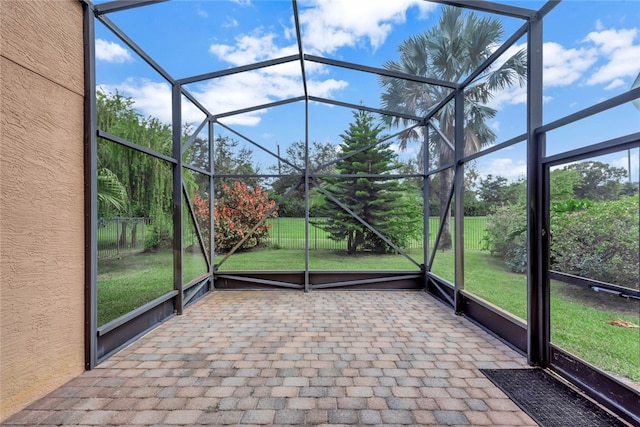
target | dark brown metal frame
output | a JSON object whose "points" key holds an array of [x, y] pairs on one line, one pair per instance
{"points": [[532, 337]]}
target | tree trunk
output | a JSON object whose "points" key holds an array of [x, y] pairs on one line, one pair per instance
{"points": [[446, 179], [123, 235], [134, 235], [351, 243]]}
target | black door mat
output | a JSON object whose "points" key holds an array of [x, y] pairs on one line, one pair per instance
{"points": [[548, 401]]}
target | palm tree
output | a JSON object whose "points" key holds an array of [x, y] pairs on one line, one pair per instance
{"points": [[112, 195], [450, 51]]}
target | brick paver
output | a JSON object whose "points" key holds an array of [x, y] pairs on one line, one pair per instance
{"points": [[291, 358]]}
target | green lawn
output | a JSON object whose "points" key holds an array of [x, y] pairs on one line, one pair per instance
{"points": [[131, 281], [293, 259], [579, 318], [579, 322], [289, 233]]}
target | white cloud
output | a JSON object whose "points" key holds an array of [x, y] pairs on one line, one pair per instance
{"points": [[614, 84], [505, 167], [609, 41], [563, 66], [112, 52], [325, 88], [267, 84], [327, 25], [222, 95], [606, 57], [620, 53], [251, 48], [150, 98], [230, 23], [331, 24]]}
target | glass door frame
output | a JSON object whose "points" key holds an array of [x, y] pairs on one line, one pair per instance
{"points": [[598, 384]]}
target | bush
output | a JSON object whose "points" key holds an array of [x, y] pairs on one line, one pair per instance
{"points": [[599, 241], [291, 208], [159, 235], [237, 211], [506, 236], [595, 240]]}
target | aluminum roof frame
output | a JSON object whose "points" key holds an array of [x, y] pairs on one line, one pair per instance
{"points": [[489, 7]]}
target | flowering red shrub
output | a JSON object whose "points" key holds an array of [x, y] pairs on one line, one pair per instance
{"points": [[236, 213]]}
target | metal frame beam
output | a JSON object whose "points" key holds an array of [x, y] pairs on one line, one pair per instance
{"points": [[365, 108], [441, 226], [119, 5], [134, 46], [259, 107], [109, 137], [212, 203], [492, 7], [176, 128], [255, 144], [379, 71], [458, 188], [425, 203], [193, 136], [196, 225], [537, 280], [608, 104], [236, 70], [90, 190]]}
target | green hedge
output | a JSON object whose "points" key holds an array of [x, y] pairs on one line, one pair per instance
{"points": [[596, 240]]}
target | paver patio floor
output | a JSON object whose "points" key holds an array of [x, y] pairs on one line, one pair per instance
{"points": [[330, 357]]}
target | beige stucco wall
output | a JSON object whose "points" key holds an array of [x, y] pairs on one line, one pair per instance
{"points": [[41, 199]]}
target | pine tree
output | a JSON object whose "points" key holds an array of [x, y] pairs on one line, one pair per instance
{"points": [[382, 202]]}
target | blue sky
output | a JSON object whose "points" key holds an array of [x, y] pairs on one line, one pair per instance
{"points": [[591, 53]]}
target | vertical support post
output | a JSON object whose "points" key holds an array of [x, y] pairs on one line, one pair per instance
{"points": [[307, 284], [212, 204], [425, 202], [537, 285], [90, 190], [176, 115], [458, 186]]}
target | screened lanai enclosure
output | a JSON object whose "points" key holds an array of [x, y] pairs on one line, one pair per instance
{"points": [[298, 145]]}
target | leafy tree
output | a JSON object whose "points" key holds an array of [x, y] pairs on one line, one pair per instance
{"points": [[562, 184], [630, 188], [146, 180], [495, 191], [382, 203], [237, 211], [472, 205], [450, 51], [228, 159], [599, 180], [319, 154]]}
